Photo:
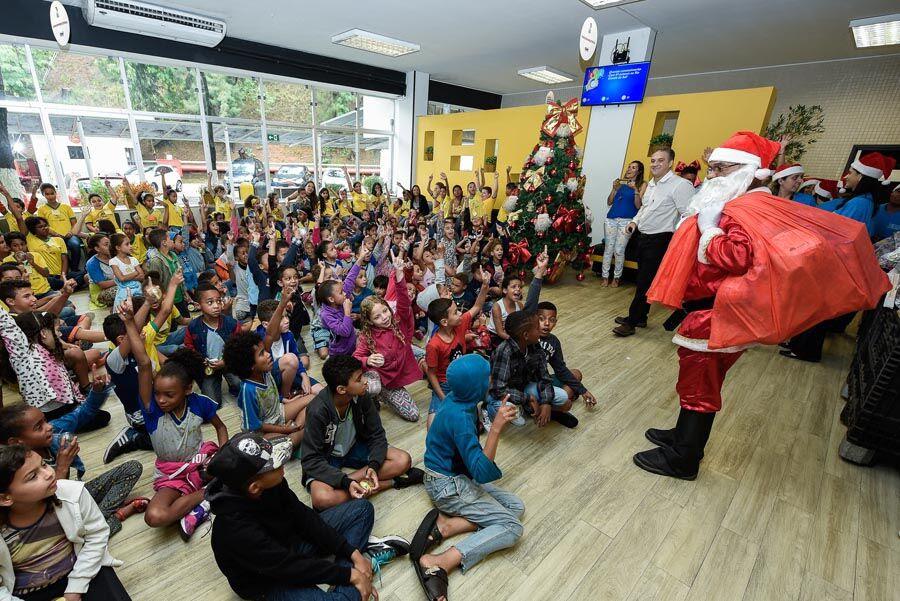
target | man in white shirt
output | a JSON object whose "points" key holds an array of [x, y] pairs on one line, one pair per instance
{"points": [[664, 203]]}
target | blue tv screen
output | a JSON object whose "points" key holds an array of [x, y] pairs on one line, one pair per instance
{"points": [[615, 84]]}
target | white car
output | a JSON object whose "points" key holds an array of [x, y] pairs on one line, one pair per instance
{"points": [[334, 176], [152, 173]]}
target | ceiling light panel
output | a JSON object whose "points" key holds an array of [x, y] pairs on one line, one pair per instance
{"points": [[598, 4], [373, 42], [545, 74], [876, 31]]}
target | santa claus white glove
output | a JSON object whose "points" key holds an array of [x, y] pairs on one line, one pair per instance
{"points": [[708, 224], [708, 217]]}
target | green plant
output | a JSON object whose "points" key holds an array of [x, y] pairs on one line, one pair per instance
{"points": [[796, 130], [96, 186], [429, 150], [662, 140], [491, 160], [370, 180]]}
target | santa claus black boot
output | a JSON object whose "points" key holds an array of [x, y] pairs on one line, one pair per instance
{"points": [[682, 458], [666, 438]]}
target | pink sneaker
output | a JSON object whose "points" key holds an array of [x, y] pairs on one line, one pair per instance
{"points": [[188, 524]]}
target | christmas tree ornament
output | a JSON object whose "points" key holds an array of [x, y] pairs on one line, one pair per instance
{"points": [[562, 114], [509, 205], [553, 173], [572, 165], [534, 178], [561, 187], [572, 184], [542, 155], [542, 223], [530, 207], [580, 276], [518, 252]]}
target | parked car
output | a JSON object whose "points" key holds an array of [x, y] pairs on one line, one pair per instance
{"points": [[248, 169], [334, 176], [153, 172], [291, 175]]}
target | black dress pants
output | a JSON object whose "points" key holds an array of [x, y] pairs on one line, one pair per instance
{"points": [[651, 250]]}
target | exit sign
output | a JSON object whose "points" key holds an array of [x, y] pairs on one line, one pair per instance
{"points": [[272, 137]]}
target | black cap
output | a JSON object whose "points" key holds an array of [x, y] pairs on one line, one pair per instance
{"points": [[247, 455]]}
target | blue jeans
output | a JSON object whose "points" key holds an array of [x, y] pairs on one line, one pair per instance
{"points": [[353, 520], [83, 414], [174, 340], [437, 401], [495, 512], [559, 398], [211, 386], [73, 248]]}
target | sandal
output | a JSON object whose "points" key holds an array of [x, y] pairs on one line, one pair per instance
{"points": [[139, 505], [434, 581], [427, 536]]}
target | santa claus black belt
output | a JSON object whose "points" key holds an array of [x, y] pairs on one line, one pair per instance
{"points": [[701, 304]]}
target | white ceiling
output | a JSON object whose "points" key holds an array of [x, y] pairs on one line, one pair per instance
{"points": [[483, 43]]}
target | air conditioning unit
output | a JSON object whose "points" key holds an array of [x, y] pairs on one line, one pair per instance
{"points": [[156, 21]]}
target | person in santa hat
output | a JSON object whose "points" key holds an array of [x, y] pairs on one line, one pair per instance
{"points": [[726, 234], [864, 182], [786, 180], [805, 194], [887, 219]]}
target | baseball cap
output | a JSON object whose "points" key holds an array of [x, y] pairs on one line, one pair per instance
{"points": [[246, 456]]}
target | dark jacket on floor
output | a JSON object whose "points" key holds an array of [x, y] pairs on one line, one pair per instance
{"points": [[318, 438], [253, 541]]}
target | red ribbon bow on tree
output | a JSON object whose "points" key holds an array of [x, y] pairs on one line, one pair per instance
{"points": [[519, 253], [565, 220], [559, 114]]}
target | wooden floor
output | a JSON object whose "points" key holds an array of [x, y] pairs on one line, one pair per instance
{"points": [[774, 515]]}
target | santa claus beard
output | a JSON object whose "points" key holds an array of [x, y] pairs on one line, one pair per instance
{"points": [[719, 190]]}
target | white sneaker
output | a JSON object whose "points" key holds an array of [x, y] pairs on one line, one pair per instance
{"points": [[485, 420], [518, 420]]}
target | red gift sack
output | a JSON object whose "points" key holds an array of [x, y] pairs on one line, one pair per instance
{"points": [[809, 265]]}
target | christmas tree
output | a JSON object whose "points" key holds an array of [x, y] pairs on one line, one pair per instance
{"points": [[548, 210]]}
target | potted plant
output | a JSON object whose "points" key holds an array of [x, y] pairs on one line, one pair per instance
{"points": [[659, 142], [490, 163], [429, 153], [795, 130]]}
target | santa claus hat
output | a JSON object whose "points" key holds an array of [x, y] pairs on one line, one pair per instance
{"points": [[808, 182], [875, 165], [826, 188], [748, 148], [787, 170]]}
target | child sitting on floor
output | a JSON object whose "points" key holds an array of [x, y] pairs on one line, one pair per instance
{"points": [[519, 373], [458, 472], [274, 330], [270, 545], [173, 414], [343, 429], [563, 377], [21, 424], [207, 334], [384, 348], [54, 537], [448, 343], [335, 307]]}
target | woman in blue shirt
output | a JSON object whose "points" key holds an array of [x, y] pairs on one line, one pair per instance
{"points": [[864, 186], [624, 200], [786, 182], [887, 218]]}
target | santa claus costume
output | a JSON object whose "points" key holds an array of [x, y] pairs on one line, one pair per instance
{"points": [[742, 265]]}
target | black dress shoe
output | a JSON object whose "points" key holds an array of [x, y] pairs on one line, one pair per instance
{"points": [[623, 321], [793, 355], [623, 330]]}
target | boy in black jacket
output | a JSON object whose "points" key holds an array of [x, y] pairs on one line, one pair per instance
{"points": [[563, 377], [268, 544], [343, 429]]}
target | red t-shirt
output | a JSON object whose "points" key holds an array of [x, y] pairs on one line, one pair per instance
{"points": [[440, 354]]}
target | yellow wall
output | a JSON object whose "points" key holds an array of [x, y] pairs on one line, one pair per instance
{"points": [[704, 119], [517, 130]]}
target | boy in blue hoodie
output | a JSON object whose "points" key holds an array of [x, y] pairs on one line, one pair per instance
{"points": [[457, 476]]}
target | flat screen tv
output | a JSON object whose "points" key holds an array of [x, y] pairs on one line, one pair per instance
{"points": [[615, 84]]}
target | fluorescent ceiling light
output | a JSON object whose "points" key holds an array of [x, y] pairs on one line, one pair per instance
{"points": [[598, 4], [372, 42], [876, 31], [546, 74]]}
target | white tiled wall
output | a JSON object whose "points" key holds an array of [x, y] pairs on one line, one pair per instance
{"points": [[860, 99]]}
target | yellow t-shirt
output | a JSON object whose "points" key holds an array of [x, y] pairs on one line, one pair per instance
{"points": [[376, 201], [11, 221], [176, 217], [223, 205], [152, 337], [498, 205], [49, 251], [39, 284], [344, 208], [360, 201], [59, 219], [148, 218], [107, 211], [478, 207], [139, 248]]}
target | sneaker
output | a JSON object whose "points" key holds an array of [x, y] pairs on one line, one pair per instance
{"points": [[518, 420], [124, 442], [383, 550], [188, 524], [485, 420], [412, 477]]}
